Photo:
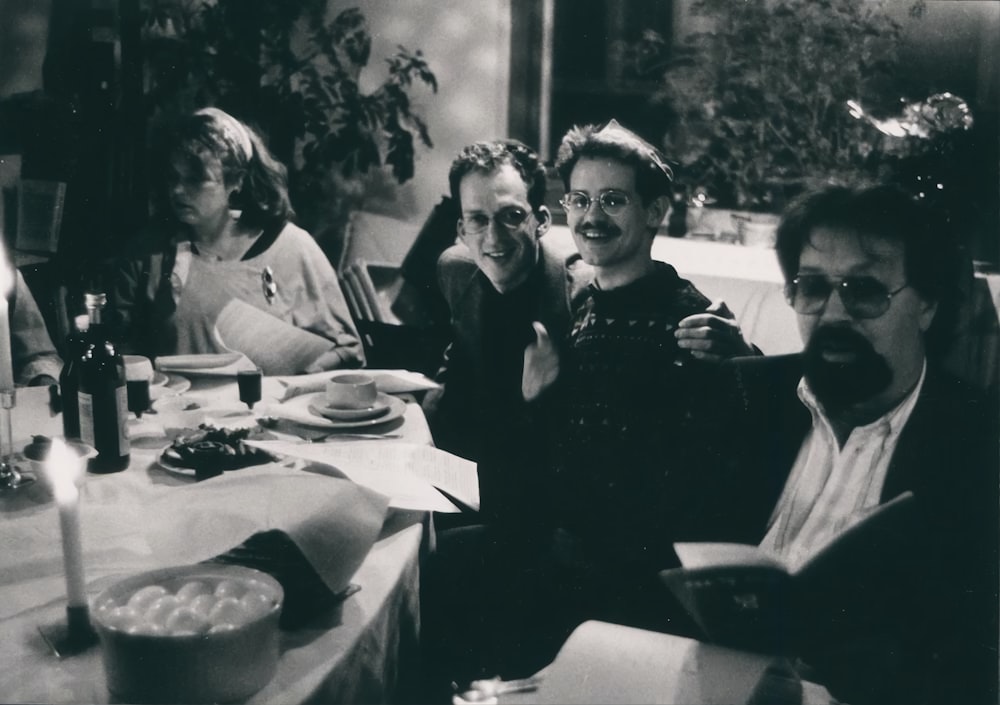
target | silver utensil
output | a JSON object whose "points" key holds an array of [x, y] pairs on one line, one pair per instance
{"points": [[488, 690], [352, 437]]}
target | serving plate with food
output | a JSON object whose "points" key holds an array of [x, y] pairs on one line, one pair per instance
{"points": [[209, 451]]}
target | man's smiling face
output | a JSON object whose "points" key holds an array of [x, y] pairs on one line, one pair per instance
{"points": [[491, 204]]}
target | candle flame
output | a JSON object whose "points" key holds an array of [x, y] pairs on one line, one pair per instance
{"points": [[63, 467], [6, 274]]}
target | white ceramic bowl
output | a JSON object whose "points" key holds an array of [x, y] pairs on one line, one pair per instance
{"points": [[193, 667], [177, 414]]}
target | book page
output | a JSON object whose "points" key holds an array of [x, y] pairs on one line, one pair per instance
{"points": [[705, 555], [275, 346]]}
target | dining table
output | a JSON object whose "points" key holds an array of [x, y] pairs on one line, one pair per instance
{"points": [[366, 650]]}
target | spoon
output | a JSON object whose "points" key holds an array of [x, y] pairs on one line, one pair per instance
{"points": [[12, 479], [487, 690]]}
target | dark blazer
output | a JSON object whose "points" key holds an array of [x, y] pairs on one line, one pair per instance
{"points": [[473, 415], [932, 603]]}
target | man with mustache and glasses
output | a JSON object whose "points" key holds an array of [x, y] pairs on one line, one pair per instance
{"points": [[863, 415]]}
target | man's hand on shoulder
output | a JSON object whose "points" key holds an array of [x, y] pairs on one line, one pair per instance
{"points": [[541, 364], [713, 335]]}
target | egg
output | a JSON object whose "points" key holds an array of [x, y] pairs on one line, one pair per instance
{"points": [[121, 618], [230, 588], [144, 597], [160, 609], [193, 589], [256, 604], [228, 610], [203, 604], [184, 620]]}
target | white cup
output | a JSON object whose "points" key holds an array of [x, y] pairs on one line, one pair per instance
{"points": [[138, 367], [353, 391]]}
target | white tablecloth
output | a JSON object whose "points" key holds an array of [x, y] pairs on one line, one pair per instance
{"points": [[363, 657]]}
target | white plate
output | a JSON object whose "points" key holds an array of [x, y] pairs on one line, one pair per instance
{"points": [[297, 409], [165, 383], [174, 469], [379, 409], [206, 361]]}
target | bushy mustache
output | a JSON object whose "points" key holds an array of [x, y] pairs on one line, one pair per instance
{"points": [[835, 336], [609, 229]]}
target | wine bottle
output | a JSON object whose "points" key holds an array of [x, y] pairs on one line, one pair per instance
{"points": [[69, 377], [102, 397]]}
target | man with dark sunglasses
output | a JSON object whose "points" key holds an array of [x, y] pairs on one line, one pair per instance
{"points": [[862, 415]]}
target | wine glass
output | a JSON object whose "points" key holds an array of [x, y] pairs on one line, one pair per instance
{"points": [[248, 382]]}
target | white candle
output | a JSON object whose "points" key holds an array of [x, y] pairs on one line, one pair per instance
{"points": [[63, 467], [6, 287]]}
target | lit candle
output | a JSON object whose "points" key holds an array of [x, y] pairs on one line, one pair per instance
{"points": [[63, 467], [6, 287]]}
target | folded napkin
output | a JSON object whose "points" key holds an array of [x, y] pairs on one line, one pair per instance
{"points": [[388, 381], [331, 520], [207, 364]]}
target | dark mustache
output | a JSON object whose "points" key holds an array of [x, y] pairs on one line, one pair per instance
{"points": [[840, 337], [603, 228]]}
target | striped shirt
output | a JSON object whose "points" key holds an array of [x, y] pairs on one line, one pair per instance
{"points": [[830, 488]]}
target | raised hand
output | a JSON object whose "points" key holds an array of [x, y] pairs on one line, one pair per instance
{"points": [[541, 364], [713, 335]]}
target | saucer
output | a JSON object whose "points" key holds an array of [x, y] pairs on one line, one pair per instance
{"points": [[322, 408], [298, 410]]}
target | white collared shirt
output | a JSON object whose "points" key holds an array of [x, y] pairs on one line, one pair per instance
{"points": [[831, 487]]}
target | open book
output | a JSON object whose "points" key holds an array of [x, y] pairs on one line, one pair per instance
{"points": [[743, 597]]}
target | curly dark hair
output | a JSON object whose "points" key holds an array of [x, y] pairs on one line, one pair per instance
{"points": [[653, 177], [487, 157], [932, 253]]}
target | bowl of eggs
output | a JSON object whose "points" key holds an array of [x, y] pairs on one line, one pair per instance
{"points": [[191, 634]]}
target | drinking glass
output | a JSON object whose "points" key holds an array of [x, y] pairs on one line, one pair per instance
{"points": [[138, 396], [249, 385]]}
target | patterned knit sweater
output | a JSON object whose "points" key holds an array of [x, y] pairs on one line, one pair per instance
{"points": [[624, 469]]}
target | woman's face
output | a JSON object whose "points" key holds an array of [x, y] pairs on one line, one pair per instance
{"points": [[197, 192]]}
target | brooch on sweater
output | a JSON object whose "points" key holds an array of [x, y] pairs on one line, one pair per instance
{"points": [[269, 286]]}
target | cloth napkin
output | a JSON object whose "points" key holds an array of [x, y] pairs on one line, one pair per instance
{"points": [[333, 521], [387, 381]]}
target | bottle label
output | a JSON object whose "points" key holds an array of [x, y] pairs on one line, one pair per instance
{"points": [[119, 409], [85, 402], [121, 397]]}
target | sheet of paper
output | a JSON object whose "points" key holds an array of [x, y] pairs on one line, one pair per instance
{"points": [[407, 473], [275, 346], [610, 663]]}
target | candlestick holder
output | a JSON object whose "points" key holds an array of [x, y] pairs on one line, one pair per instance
{"points": [[11, 477], [74, 636]]}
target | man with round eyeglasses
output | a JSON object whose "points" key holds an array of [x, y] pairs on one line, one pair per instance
{"points": [[816, 441]]}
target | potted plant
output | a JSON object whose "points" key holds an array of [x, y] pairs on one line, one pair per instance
{"points": [[756, 104], [288, 68]]}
